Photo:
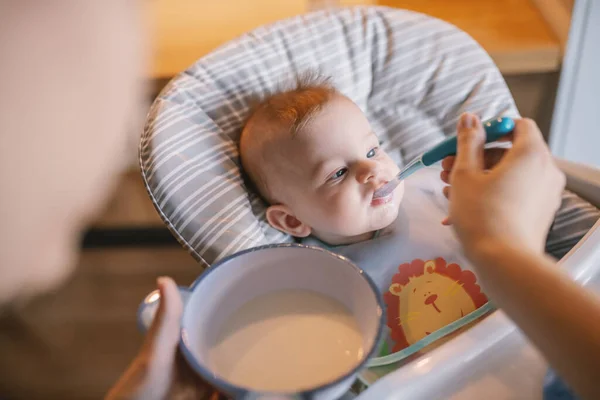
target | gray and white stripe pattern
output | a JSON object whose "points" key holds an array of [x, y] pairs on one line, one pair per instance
{"points": [[573, 220], [411, 74]]}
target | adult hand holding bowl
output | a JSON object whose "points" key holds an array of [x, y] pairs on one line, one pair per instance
{"points": [[280, 321]]}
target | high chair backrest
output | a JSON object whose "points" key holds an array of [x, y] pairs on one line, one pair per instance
{"points": [[413, 75]]}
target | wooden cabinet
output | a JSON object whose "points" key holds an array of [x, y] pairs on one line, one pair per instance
{"points": [[184, 30], [515, 33]]}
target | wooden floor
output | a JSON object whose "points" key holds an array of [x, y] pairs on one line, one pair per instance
{"points": [[75, 343], [130, 206]]}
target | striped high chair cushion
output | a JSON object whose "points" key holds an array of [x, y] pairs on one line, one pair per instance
{"points": [[412, 75]]}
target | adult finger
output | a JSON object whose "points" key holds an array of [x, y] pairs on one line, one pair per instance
{"points": [[445, 176], [527, 142], [490, 158], [527, 135], [470, 141], [159, 350], [448, 163], [163, 336], [150, 375]]}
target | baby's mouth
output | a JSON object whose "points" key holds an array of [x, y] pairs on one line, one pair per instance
{"points": [[380, 200]]}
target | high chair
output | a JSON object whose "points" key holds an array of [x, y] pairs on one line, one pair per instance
{"points": [[413, 75]]}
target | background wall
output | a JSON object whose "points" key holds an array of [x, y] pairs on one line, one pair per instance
{"points": [[575, 133]]}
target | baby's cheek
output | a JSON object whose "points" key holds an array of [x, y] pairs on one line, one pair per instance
{"points": [[391, 165], [340, 210], [354, 215]]}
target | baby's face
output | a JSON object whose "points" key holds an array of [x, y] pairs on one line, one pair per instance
{"points": [[326, 175]]}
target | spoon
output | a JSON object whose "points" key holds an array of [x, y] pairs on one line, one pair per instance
{"points": [[494, 129]]}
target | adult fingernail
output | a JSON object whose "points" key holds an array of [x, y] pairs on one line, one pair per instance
{"points": [[160, 281], [467, 121]]}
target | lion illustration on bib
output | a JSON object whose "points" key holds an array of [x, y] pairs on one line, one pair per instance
{"points": [[425, 296]]}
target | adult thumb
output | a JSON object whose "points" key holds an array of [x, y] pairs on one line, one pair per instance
{"points": [[469, 147], [151, 373], [163, 336]]}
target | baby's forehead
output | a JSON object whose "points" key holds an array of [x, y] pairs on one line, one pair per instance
{"points": [[287, 140], [288, 159]]}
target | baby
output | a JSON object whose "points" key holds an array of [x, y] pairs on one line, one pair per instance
{"points": [[314, 158]]}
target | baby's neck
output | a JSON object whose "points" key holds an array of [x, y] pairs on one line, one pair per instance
{"points": [[331, 239], [335, 240]]}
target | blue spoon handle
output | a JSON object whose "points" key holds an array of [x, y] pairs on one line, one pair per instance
{"points": [[494, 130]]}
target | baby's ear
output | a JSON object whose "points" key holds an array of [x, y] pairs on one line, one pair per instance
{"points": [[281, 217]]}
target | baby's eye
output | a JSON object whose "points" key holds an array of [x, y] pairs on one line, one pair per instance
{"points": [[339, 173], [373, 152]]}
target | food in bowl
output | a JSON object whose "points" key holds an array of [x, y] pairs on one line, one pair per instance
{"points": [[287, 341]]}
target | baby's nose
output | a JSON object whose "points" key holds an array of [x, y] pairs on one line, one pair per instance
{"points": [[367, 172]]}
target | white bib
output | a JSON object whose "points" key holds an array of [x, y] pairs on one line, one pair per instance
{"points": [[429, 287]]}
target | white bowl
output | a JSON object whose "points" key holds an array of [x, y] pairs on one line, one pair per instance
{"points": [[235, 280]]}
